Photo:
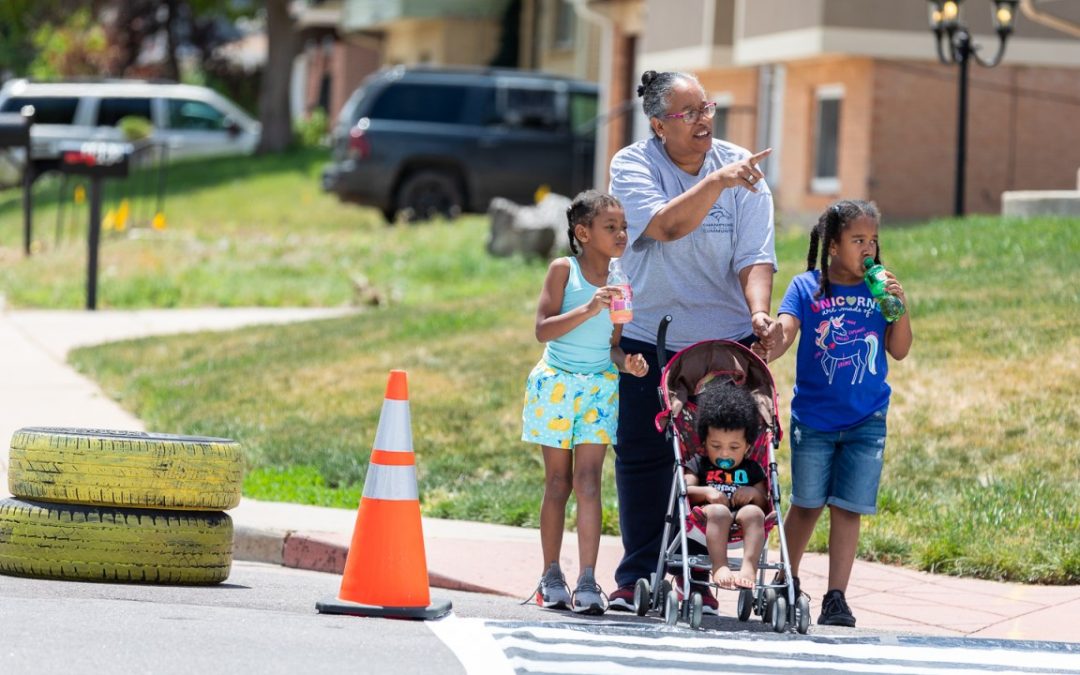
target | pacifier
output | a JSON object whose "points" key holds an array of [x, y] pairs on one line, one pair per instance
{"points": [[726, 463]]}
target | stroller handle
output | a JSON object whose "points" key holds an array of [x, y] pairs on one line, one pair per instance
{"points": [[661, 341]]}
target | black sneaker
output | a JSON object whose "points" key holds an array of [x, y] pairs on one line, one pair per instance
{"points": [[835, 610], [622, 599]]}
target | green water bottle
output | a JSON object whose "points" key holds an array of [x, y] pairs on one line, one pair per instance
{"points": [[892, 307]]}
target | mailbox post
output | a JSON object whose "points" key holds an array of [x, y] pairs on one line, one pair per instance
{"points": [[15, 132], [98, 160]]}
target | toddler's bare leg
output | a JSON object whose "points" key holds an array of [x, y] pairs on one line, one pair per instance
{"points": [[752, 521], [717, 527]]}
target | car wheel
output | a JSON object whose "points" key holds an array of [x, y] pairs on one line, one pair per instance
{"points": [[429, 193], [70, 541], [125, 468]]}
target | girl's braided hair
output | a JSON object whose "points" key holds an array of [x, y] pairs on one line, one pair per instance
{"points": [[829, 226], [586, 206]]}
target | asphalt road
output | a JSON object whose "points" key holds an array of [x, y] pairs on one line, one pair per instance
{"points": [[261, 620]]}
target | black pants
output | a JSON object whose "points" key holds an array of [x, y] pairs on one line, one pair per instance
{"points": [[644, 466]]}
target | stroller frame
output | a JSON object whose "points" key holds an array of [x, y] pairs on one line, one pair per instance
{"points": [[776, 603]]}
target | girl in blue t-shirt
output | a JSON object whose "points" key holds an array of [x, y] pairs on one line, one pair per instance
{"points": [[572, 395], [841, 397]]}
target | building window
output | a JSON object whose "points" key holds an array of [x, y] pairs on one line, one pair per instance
{"points": [[563, 37], [720, 118], [827, 140]]}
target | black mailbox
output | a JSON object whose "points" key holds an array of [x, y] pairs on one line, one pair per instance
{"points": [[95, 158], [14, 130]]}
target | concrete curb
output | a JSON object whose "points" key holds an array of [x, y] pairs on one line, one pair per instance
{"points": [[320, 552]]}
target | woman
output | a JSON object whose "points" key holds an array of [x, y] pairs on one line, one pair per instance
{"points": [[700, 249]]}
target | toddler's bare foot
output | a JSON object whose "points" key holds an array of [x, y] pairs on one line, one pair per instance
{"points": [[724, 578], [744, 581]]}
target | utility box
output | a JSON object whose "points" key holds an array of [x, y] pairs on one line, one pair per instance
{"points": [[14, 130]]}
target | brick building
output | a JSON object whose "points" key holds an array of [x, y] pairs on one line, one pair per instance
{"points": [[850, 95]]}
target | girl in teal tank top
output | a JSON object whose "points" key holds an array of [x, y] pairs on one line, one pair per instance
{"points": [[572, 395]]}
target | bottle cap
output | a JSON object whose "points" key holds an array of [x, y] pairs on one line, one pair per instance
{"points": [[868, 262]]}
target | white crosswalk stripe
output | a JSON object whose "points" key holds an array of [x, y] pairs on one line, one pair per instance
{"points": [[487, 646]]}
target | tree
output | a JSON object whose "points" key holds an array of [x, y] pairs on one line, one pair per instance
{"points": [[20, 22], [283, 43], [77, 47]]}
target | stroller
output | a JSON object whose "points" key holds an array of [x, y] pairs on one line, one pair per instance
{"points": [[680, 381]]}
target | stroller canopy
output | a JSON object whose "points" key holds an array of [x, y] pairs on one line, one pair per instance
{"points": [[697, 365]]}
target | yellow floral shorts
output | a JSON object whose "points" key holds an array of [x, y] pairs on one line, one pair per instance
{"points": [[564, 409]]}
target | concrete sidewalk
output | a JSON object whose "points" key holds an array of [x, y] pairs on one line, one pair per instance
{"points": [[39, 389]]}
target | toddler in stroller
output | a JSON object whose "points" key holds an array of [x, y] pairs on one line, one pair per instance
{"points": [[725, 487], [699, 386]]}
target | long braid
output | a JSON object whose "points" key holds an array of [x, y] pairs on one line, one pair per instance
{"points": [[815, 237]]}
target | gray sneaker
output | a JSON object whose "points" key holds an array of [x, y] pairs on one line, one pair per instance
{"points": [[552, 591], [588, 597]]}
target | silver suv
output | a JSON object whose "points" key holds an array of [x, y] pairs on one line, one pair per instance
{"points": [[192, 121], [426, 141]]}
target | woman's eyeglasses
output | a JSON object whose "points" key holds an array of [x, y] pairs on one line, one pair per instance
{"points": [[705, 112]]}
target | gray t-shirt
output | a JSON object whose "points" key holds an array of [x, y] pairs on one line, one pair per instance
{"points": [[695, 279]]}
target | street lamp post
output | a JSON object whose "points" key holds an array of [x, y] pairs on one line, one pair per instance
{"points": [[948, 30]]}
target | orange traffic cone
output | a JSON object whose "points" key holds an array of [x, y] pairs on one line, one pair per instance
{"points": [[386, 569]]}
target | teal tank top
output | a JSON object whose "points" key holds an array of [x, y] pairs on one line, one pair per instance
{"points": [[587, 348]]}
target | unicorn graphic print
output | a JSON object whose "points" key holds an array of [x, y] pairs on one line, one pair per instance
{"points": [[840, 349]]}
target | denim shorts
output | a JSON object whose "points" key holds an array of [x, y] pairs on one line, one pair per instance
{"points": [[565, 410], [838, 468]]}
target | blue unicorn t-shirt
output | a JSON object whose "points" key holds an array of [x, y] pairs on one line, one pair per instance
{"points": [[840, 368]]}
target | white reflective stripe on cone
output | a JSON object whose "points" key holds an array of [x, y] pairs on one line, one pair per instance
{"points": [[391, 482], [395, 427]]}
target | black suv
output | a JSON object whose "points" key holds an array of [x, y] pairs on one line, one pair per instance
{"points": [[427, 141]]}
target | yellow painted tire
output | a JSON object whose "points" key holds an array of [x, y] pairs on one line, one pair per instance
{"points": [[125, 468], [90, 543]]}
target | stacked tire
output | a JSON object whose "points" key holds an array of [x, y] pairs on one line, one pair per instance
{"points": [[102, 505]]}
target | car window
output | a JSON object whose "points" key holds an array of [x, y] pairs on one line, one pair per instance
{"points": [[350, 112], [531, 108], [187, 114], [47, 109], [449, 104], [583, 109], [112, 110]]}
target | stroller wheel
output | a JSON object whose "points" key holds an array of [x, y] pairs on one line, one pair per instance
{"points": [[769, 603], [802, 614], [696, 607], [779, 615], [671, 609], [662, 592], [642, 597], [746, 603]]}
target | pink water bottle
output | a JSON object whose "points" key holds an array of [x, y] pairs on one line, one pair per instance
{"points": [[622, 307]]}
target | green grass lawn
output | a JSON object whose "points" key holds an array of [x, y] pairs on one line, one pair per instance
{"points": [[982, 473]]}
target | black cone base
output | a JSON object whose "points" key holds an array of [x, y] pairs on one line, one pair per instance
{"points": [[435, 610]]}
